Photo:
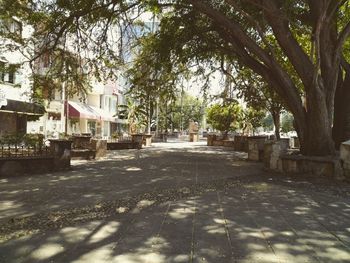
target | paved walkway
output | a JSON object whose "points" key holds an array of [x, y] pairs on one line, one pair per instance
{"points": [[176, 202]]}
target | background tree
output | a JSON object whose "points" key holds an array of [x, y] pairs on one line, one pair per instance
{"points": [[252, 119], [135, 114], [224, 117], [262, 35], [287, 122]]}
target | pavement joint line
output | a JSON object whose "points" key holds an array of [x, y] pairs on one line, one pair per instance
{"points": [[196, 172], [226, 225], [162, 224], [68, 217], [281, 214], [193, 233], [336, 237], [268, 242], [323, 204]]}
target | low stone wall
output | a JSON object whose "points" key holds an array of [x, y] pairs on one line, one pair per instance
{"points": [[147, 140], [345, 158], [218, 143], [318, 166], [228, 143], [81, 141], [210, 139], [61, 151], [256, 148], [26, 165], [194, 137], [241, 143], [83, 154], [122, 145], [273, 150], [100, 147]]}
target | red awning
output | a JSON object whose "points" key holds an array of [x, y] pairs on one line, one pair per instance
{"points": [[82, 110], [85, 111]]}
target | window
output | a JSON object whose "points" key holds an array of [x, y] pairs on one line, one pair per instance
{"points": [[2, 71], [12, 72], [12, 75], [8, 73]]}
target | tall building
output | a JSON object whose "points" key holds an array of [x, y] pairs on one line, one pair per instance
{"points": [[16, 107]]}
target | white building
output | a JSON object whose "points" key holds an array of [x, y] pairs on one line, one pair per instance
{"points": [[15, 82]]}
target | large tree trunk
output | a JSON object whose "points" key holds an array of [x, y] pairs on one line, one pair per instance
{"points": [[341, 125], [313, 121], [316, 134]]}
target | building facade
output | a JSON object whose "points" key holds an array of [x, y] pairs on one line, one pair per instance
{"points": [[16, 107]]}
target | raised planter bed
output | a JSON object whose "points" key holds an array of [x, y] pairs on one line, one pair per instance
{"points": [[210, 139], [241, 143], [228, 143], [147, 139], [256, 148], [122, 145], [318, 166], [83, 154], [194, 137], [26, 165]]}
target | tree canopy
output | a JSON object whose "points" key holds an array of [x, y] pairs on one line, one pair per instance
{"points": [[298, 47]]}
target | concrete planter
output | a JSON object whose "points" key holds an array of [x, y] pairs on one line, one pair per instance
{"points": [[345, 158], [137, 139], [210, 139], [256, 148], [314, 165], [218, 143], [61, 151], [147, 139], [295, 142], [81, 141], [100, 147], [273, 150], [228, 143], [194, 137], [241, 143]]}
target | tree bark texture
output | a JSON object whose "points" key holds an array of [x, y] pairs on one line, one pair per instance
{"points": [[341, 125], [318, 73]]}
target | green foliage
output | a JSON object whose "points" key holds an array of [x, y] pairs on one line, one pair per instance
{"points": [[35, 140], [180, 115], [66, 70], [267, 123], [135, 114], [225, 117], [253, 118], [287, 122]]}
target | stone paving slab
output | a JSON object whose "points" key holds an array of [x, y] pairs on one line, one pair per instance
{"points": [[241, 216], [212, 227], [123, 173]]}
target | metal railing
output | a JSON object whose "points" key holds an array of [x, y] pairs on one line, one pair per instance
{"points": [[18, 151]]}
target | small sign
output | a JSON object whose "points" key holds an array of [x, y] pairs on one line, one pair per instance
{"points": [[3, 100]]}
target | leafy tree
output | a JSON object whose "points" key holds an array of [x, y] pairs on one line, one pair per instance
{"points": [[267, 123], [134, 113], [224, 117], [296, 46], [252, 118], [259, 97], [287, 123]]}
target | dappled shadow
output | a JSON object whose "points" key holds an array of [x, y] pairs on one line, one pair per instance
{"points": [[123, 173], [192, 204], [249, 222]]}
